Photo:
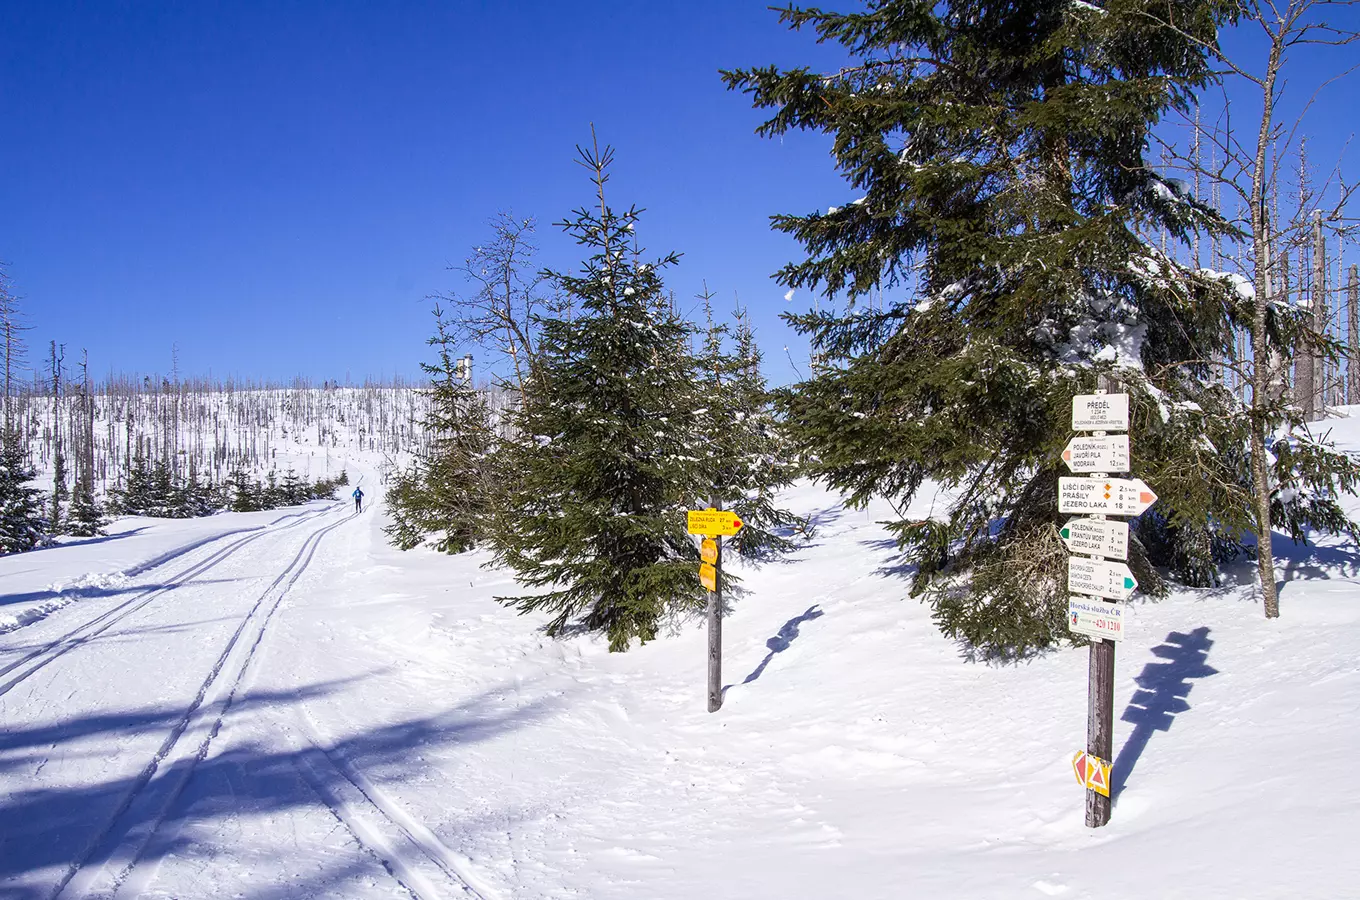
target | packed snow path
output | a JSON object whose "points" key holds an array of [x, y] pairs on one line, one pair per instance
{"points": [[121, 715]]}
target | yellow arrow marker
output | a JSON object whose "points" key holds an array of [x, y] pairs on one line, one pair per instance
{"points": [[713, 522], [708, 577], [708, 551]]}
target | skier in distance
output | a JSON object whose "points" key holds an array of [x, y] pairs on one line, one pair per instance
{"points": [[358, 499]]}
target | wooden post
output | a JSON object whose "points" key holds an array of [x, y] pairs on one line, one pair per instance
{"points": [[715, 697], [1100, 703], [1100, 723]]}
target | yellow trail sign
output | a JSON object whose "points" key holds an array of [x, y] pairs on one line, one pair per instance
{"points": [[708, 550], [713, 522], [708, 576], [1092, 772]]}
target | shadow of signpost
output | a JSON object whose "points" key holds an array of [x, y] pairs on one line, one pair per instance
{"points": [[1162, 689], [780, 642]]}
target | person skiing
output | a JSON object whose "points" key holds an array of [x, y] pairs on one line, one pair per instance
{"points": [[358, 499]]}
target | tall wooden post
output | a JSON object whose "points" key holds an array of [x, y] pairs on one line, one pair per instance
{"points": [[1100, 703], [715, 697]]}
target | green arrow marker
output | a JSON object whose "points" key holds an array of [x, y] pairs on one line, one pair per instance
{"points": [[1130, 583], [1066, 532]]}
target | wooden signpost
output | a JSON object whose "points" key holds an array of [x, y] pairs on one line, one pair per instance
{"points": [[1096, 572], [713, 523]]}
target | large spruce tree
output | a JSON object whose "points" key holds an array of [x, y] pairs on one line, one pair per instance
{"points": [[997, 154], [606, 465]]}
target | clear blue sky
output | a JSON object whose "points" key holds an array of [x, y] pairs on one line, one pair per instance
{"points": [[277, 187]]}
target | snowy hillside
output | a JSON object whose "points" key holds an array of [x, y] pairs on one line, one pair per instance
{"points": [[279, 705], [216, 428]]}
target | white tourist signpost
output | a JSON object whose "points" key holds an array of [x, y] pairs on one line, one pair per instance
{"points": [[1100, 578], [1100, 412], [1097, 571], [1111, 496], [1098, 454], [1097, 537]]}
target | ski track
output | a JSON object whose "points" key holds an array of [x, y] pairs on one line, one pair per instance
{"points": [[74, 638], [391, 818], [111, 857]]}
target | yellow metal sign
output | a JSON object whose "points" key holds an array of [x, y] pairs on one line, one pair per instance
{"points": [[1092, 772], [708, 576], [713, 522], [708, 550]]}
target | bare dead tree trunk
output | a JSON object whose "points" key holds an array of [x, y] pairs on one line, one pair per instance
{"points": [[1319, 307], [1353, 336]]}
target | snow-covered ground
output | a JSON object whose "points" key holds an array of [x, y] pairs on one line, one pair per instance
{"points": [[292, 708]]}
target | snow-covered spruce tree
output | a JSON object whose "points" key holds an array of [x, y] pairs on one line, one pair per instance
{"points": [[743, 451], [997, 153], [21, 505], [607, 465], [135, 494], [445, 494], [84, 517], [247, 495]]}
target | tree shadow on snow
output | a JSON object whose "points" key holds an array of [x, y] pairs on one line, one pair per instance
{"points": [[1162, 689], [85, 542], [95, 592], [49, 828]]}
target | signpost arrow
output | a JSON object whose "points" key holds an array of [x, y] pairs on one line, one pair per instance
{"points": [[1100, 412], [1115, 496], [1097, 537], [1100, 578], [713, 522], [1098, 454]]}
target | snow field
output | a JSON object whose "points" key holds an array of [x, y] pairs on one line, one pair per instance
{"points": [[391, 731]]}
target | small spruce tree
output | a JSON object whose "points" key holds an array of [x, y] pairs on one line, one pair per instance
{"points": [[606, 467], [22, 524], [447, 492], [743, 451]]}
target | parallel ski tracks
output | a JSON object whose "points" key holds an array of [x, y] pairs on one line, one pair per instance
{"points": [[92, 628], [398, 841], [111, 856]]}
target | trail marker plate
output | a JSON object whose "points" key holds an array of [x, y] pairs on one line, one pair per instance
{"points": [[1100, 412], [1098, 454], [1114, 496], [713, 522], [1093, 773], [708, 550], [1097, 537], [1100, 578], [708, 577], [1096, 618]]}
